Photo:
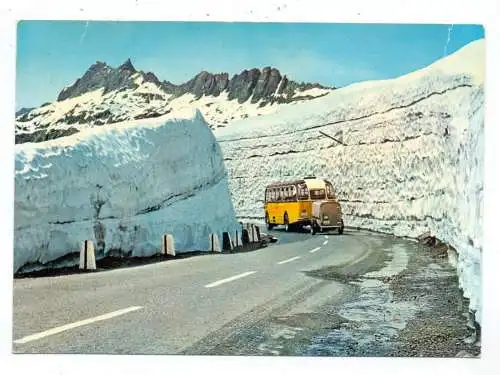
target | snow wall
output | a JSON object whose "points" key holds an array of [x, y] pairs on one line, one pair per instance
{"points": [[412, 163], [122, 186]]}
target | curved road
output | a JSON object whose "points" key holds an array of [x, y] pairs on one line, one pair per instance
{"points": [[213, 304]]}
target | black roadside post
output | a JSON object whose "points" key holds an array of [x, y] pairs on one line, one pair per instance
{"points": [[85, 256]]}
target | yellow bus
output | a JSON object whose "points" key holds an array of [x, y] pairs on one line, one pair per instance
{"points": [[307, 202]]}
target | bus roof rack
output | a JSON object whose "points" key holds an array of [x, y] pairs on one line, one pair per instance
{"points": [[309, 177]]}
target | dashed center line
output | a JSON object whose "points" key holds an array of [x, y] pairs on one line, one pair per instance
{"points": [[325, 242], [288, 260], [80, 323], [314, 250], [232, 278], [326, 237]]}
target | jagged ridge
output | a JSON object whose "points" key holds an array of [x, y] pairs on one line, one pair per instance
{"points": [[261, 83], [105, 95]]}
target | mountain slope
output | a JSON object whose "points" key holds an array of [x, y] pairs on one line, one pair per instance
{"points": [[105, 95]]}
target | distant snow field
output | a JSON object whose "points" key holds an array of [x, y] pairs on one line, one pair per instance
{"points": [[123, 187], [413, 160]]}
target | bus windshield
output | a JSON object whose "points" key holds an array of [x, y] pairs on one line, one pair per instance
{"points": [[317, 194], [329, 191]]}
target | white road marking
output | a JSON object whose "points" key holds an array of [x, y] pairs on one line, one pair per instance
{"points": [[80, 323], [326, 237], [314, 250], [288, 260], [325, 242], [232, 278]]}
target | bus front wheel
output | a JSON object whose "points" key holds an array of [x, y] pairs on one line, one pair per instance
{"points": [[341, 228], [313, 227]]}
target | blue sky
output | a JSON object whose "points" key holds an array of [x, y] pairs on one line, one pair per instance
{"points": [[53, 54]]}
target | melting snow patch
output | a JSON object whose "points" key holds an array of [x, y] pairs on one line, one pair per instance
{"points": [[396, 265]]}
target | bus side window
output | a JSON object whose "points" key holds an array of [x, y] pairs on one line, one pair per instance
{"points": [[329, 191], [293, 193], [303, 192], [287, 196], [273, 194]]}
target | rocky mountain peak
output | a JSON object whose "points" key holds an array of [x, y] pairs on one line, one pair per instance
{"points": [[205, 83], [127, 66], [101, 75], [265, 84], [98, 66]]}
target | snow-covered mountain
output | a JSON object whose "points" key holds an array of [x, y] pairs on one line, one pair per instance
{"points": [[412, 159], [105, 95]]}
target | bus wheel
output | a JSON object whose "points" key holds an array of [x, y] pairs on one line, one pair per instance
{"points": [[269, 225], [288, 227], [341, 228], [313, 228]]}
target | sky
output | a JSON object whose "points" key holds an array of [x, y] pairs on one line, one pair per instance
{"points": [[53, 54]]}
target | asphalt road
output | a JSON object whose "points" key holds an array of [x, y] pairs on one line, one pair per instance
{"points": [[199, 305]]}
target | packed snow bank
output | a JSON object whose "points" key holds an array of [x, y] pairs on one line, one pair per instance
{"points": [[122, 186], [413, 159]]}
